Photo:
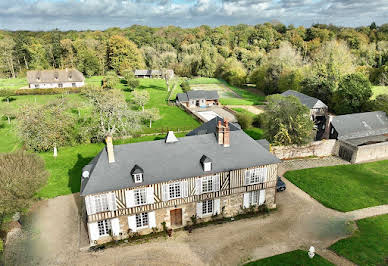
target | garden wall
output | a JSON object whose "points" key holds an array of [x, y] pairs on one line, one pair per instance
{"points": [[316, 148], [370, 152]]}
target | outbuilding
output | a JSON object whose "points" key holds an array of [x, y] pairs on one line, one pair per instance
{"points": [[55, 78]]}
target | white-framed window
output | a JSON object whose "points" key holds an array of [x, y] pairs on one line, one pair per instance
{"points": [[207, 166], [174, 190], [254, 197], [60, 85], [140, 196], [36, 85], [138, 178], [255, 176], [101, 202], [207, 207], [73, 84], [207, 184], [142, 220], [104, 227]]}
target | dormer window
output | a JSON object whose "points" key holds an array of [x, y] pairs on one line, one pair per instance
{"points": [[138, 178], [137, 174], [206, 163]]}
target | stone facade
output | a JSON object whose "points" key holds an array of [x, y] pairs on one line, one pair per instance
{"points": [[230, 206]]}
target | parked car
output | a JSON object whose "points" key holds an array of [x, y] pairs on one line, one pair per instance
{"points": [[280, 185]]}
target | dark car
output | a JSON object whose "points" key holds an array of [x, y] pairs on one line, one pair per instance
{"points": [[280, 185]]}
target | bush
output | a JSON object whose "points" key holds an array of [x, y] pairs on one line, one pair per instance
{"points": [[46, 91], [245, 120], [185, 86], [258, 121]]}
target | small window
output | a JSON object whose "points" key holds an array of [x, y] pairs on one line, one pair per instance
{"points": [[207, 166], [207, 184], [36, 85], [60, 85], [254, 197], [73, 84], [207, 207], [104, 227], [142, 219], [140, 196], [174, 190], [138, 178]]}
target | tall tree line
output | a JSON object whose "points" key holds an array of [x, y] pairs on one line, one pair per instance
{"points": [[278, 55]]}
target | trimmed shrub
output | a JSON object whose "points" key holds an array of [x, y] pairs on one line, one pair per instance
{"points": [[244, 120]]}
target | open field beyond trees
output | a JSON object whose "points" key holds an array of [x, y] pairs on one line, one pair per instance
{"points": [[368, 245], [345, 187], [296, 257], [377, 90]]}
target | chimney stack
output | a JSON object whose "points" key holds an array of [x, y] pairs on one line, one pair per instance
{"points": [[226, 133], [220, 133], [109, 149]]}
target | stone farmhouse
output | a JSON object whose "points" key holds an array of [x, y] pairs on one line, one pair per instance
{"points": [[148, 73], [198, 98], [361, 136], [318, 111], [136, 187], [56, 78]]}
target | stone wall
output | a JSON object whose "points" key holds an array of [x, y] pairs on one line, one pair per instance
{"points": [[320, 148], [370, 152]]}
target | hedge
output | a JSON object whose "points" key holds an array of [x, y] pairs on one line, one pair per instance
{"points": [[46, 91]]}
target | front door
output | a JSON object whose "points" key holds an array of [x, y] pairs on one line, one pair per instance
{"points": [[176, 217]]}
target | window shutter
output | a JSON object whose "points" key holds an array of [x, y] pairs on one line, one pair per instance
{"points": [[262, 197], [246, 200], [198, 186], [165, 192], [151, 219], [216, 209], [115, 223], [129, 198], [199, 209], [150, 195], [247, 176], [93, 231], [132, 223], [184, 189], [265, 171], [216, 183], [112, 201]]}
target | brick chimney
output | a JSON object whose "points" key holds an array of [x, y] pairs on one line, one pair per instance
{"points": [[109, 149], [226, 133], [220, 133]]}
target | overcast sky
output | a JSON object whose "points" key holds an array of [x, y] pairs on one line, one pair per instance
{"points": [[102, 14]]}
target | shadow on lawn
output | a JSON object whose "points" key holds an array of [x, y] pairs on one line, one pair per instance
{"points": [[75, 173], [143, 87]]}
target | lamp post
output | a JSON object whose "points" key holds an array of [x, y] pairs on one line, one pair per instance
{"points": [[311, 252]]}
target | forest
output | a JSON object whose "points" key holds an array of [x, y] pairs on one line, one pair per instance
{"points": [[273, 56]]}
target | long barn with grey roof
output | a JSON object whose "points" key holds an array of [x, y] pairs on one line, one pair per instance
{"points": [[201, 98], [135, 187], [55, 78]]}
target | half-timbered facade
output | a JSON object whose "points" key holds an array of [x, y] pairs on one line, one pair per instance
{"points": [[173, 180]]}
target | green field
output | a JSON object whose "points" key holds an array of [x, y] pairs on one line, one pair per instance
{"points": [[292, 258], [368, 245], [377, 90], [345, 187]]}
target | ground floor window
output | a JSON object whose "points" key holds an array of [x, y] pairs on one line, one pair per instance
{"points": [[60, 85], [207, 207], [104, 227], [254, 197], [142, 219], [73, 85]]}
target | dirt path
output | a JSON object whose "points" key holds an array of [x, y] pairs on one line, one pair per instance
{"points": [[299, 222]]}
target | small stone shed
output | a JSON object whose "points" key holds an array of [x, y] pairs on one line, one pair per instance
{"points": [[361, 136], [198, 98], [149, 73], [318, 111]]}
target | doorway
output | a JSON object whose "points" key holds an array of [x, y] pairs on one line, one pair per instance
{"points": [[176, 217]]}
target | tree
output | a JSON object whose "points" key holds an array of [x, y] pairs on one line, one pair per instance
{"points": [[244, 120], [6, 94], [111, 114], [21, 176], [140, 97], [8, 111], [234, 72], [185, 86], [167, 75], [132, 81], [354, 92], [381, 103], [150, 115], [46, 127], [7, 47], [111, 80], [124, 54], [286, 121]]}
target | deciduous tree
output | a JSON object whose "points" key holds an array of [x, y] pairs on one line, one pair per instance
{"points": [[150, 115], [140, 97]]}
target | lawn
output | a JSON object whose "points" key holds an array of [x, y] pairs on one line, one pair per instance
{"points": [[65, 170], [345, 187], [368, 245], [377, 90], [296, 257], [15, 83]]}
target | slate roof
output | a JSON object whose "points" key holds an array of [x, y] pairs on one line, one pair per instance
{"points": [[54, 76], [164, 162], [264, 143], [211, 127], [197, 94], [360, 125], [306, 100]]}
